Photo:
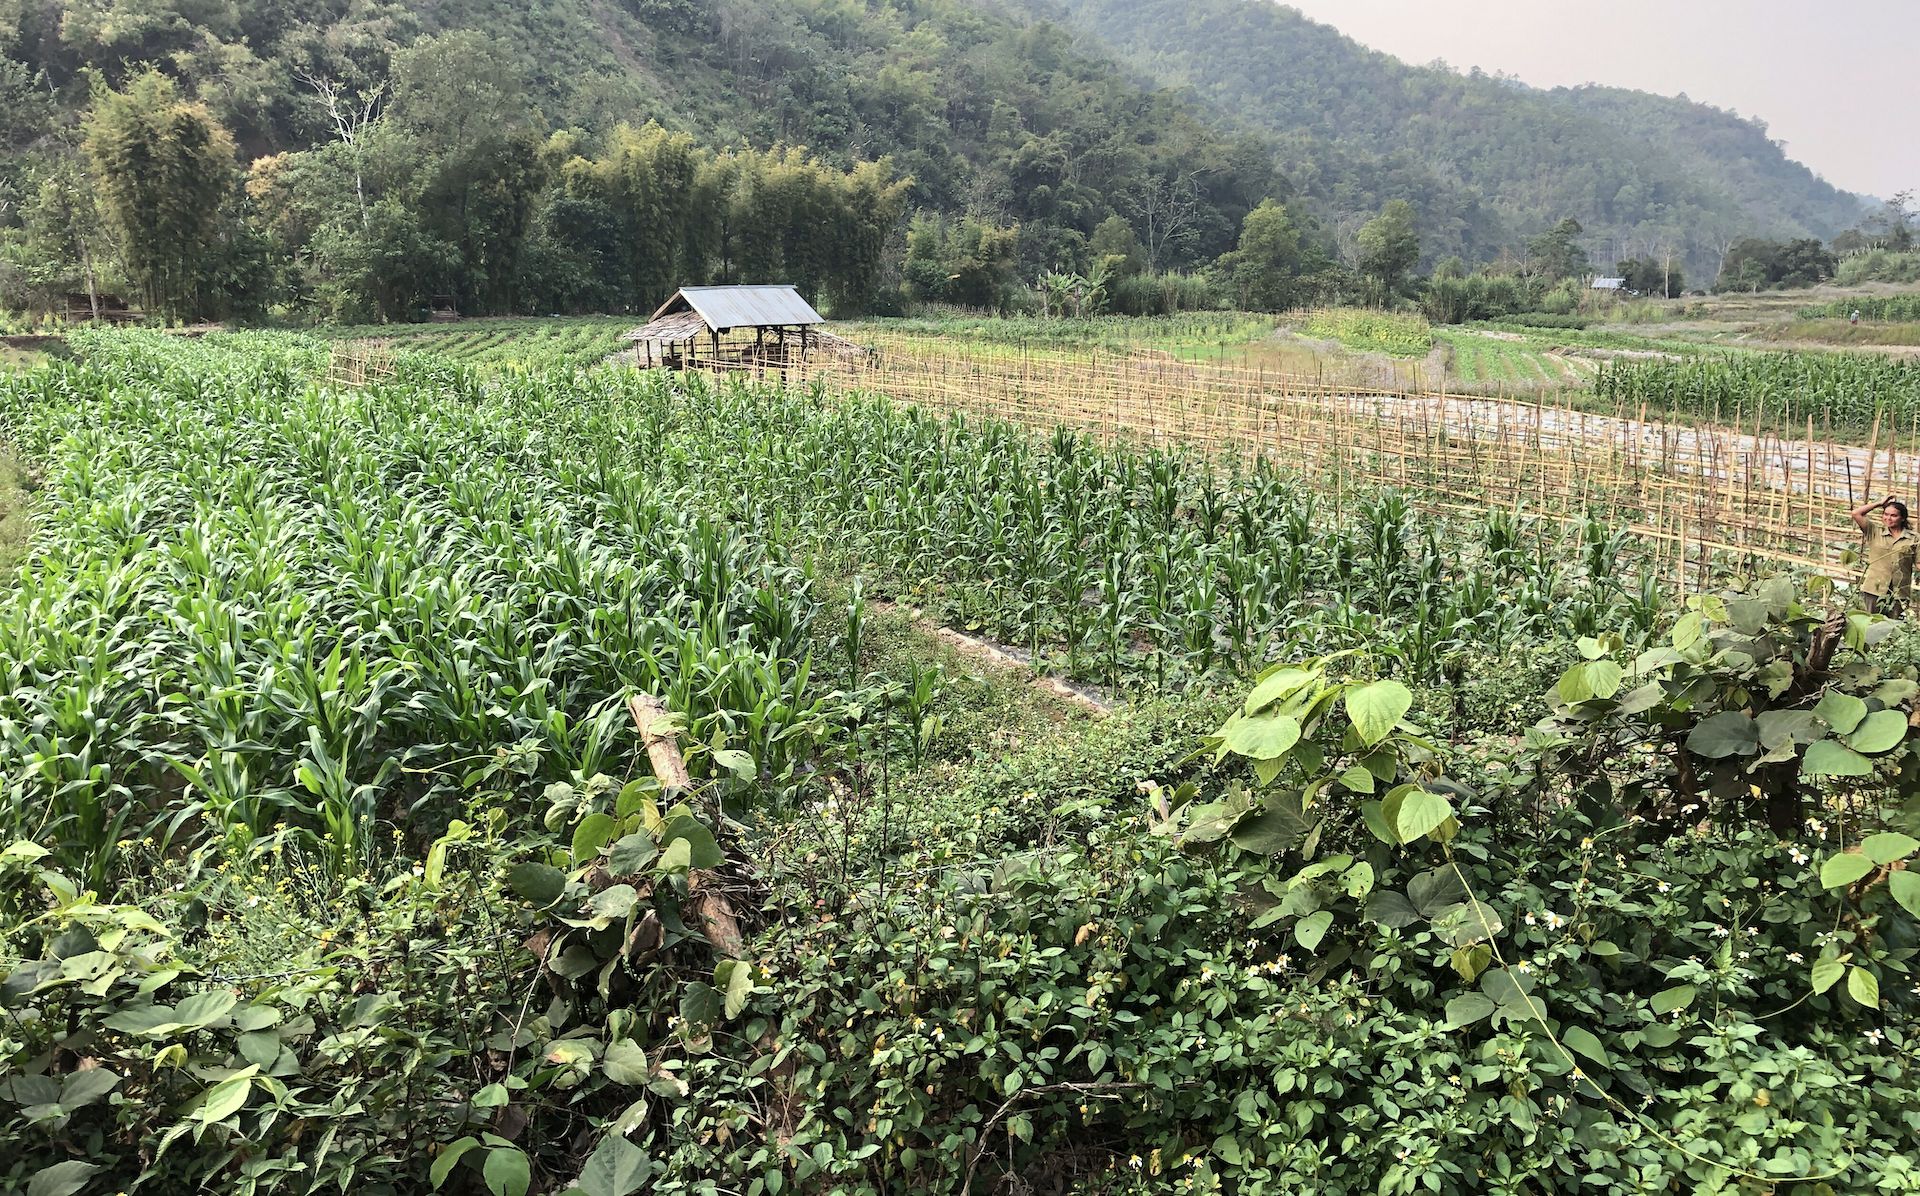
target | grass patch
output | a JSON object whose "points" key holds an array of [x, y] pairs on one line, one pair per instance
{"points": [[15, 523], [1840, 332]]}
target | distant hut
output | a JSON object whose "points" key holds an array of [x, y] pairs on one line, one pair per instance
{"points": [[1615, 285], [707, 327], [112, 309]]}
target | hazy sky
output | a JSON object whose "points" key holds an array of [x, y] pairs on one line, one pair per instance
{"points": [[1838, 82]]}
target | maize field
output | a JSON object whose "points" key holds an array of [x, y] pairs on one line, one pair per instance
{"points": [[1855, 392], [1875, 308], [256, 603]]}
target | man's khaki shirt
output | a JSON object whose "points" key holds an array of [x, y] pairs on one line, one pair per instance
{"points": [[1890, 557]]}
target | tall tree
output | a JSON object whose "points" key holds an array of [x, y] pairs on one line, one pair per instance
{"points": [[1389, 246], [1556, 253], [1264, 270], [164, 169]]}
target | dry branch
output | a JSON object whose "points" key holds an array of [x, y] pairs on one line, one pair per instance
{"points": [[707, 907]]}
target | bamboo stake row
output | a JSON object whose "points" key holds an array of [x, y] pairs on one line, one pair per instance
{"points": [[1695, 493]]}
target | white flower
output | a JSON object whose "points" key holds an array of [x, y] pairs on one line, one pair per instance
{"points": [[1720, 932], [1798, 856], [1663, 886], [1875, 1037]]}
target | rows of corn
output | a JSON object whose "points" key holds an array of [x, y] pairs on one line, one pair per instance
{"points": [[1850, 391], [259, 605], [1878, 308]]}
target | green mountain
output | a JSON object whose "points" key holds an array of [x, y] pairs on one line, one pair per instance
{"points": [[1486, 161], [475, 148]]}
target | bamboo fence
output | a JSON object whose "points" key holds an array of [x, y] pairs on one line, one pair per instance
{"points": [[1750, 497]]}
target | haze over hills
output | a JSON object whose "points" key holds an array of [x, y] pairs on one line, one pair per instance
{"points": [[1484, 159]]}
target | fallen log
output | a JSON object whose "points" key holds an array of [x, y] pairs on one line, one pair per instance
{"points": [[706, 907]]}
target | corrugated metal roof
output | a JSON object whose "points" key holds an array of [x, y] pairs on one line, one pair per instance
{"points": [[744, 307]]}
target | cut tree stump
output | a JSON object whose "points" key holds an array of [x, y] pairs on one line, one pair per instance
{"points": [[707, 905]]}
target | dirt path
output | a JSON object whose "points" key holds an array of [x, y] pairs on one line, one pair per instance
{"points": [[1005, 658]]}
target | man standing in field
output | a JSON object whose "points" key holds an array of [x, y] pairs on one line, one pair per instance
{"points": [[1889, 554]]}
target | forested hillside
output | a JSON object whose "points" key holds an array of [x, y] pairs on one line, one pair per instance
{"points": [[1484, 160], [475, 148], [352, 159]]}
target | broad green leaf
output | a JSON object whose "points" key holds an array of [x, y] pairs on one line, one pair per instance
{"points": [[1358, 779], [205, 1008], [1372, 812], [1358, 880], [594, 832], [1263, 738], [737, 762], [1604, 678], [1827, 973], [1390, 909], [507, 1172], [1905, 887], [703, 851], [1471, 960], [1504, 986], [61, 1179], [1276, 828], [1829, 759], [702, 1006], [678, 857], [149, 1021], [613, 902], [625, 1063], [1783, 728], [1420, 813], [449, 1156], [541, 884], [1670, 1000], [1466, 1009], [1573, 688], [632, 854], [1888, 846], [1863, 987], [26, 852], [1687, 632], [490, 1097], [1881, 731], [1275, 687], [738, 986], [1839, 871], [225, 1099], [1436, 890], [615, 1168], [1842, 712], [1729, 733], [1309, 930], [81, 1088], [1377, 708], [1583, 1040]]}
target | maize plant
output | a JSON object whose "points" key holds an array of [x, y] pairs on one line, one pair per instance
{"points": [[1851, 391]]}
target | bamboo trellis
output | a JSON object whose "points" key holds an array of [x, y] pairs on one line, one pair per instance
{"points": [[1695, 493], [356, 363]]}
